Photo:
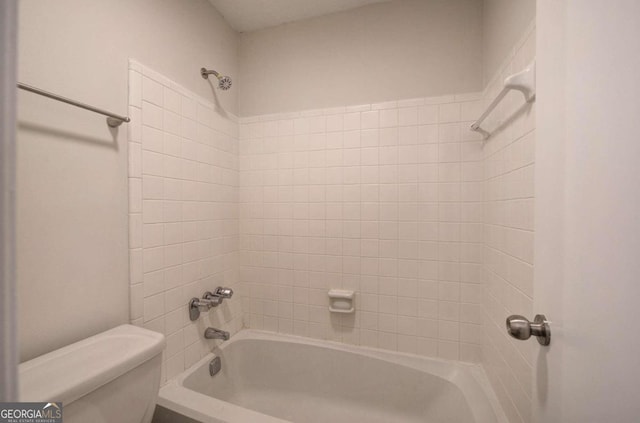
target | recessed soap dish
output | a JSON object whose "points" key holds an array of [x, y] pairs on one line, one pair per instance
{"points": [[341, 301]]}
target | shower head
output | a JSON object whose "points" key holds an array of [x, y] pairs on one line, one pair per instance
{"points": [[224, 82]]}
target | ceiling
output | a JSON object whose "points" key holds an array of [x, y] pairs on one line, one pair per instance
{"points": [[251, 15]]}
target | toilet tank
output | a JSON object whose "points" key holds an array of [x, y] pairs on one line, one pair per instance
{"points": [[110, 377]]}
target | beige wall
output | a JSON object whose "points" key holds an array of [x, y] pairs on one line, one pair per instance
{"points": [[396, 50], [72, 172], [503, 23]]}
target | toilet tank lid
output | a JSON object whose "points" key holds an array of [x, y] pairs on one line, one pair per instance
{"points": [[66, 374]]}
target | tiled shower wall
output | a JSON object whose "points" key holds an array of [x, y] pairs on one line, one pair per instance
{"points": [[384, 199], [183, 221], [508, 232]]}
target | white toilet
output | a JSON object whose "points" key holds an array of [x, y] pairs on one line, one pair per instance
{"points": [[110, 377]]}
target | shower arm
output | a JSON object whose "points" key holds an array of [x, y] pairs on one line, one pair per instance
{"points": [[205, 73]]}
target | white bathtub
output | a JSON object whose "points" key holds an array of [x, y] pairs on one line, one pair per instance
{"points": [[271, 378]]}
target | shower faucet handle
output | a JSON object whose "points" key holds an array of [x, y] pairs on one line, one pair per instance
{"points": [[218, 294], [196, 305], [213, 300], [223, 292]]}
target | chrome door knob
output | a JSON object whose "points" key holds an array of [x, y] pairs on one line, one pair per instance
{"points": [[520, 327]]}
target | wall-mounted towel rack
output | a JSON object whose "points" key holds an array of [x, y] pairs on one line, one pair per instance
{"points": [[113, 120], [523, 81]]}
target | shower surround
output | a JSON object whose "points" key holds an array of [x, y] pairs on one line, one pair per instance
{"points": [[384, 199]]}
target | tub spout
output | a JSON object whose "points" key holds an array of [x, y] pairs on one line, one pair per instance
{"points": [[213, 333]]}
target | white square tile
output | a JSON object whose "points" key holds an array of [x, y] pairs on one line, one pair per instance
{"points": [[428, 114], [135, 195], [388, 118], [189, 108], [151, 91], [153, 307], [151, 115], [136, 301], [134, 127], [153, 283], [135, 89], [135, 231], [172, 122], [172, 100], [408, 116], [370, 120], [152, 139], [135, 266]]}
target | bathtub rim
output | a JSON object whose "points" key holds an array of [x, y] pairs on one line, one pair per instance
{"points": [[469, 378]]}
